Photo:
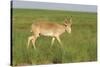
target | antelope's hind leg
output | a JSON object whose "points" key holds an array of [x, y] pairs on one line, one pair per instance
{"points": [[33, 42], [29, 39]]}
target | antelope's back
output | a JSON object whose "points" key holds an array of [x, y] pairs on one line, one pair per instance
{"points": [[48, 28]]}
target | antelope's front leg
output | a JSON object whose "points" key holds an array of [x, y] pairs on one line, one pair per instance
{"points": [[52, 41], [57, 37]]}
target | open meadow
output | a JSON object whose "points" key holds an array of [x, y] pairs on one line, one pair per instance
{"points": [[79, 46]]}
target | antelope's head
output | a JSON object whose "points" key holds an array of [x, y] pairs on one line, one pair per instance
{"points": [[68, 24]]}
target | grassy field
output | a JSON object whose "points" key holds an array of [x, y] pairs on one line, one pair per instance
{"points": [[79, 46]]}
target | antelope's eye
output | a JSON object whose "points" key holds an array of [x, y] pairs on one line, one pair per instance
{"points": [[65, 24]]}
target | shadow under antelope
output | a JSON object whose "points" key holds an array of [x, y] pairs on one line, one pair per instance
{"points": [[46, 28]]}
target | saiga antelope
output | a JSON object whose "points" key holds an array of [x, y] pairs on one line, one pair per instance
{"points": [[49, 29]]}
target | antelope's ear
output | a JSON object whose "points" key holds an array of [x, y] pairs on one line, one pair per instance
{"points": [[66, 21]]}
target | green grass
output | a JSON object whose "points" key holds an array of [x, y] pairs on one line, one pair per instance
{"points": [[79, 46]]}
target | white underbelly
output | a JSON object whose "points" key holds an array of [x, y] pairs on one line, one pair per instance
{"points": [[47, 33]]}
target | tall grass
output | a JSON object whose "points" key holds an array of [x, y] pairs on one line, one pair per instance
{"points": [[79, 46]]}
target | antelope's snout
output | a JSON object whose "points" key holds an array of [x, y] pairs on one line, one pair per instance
{"points": [[68, 29]]}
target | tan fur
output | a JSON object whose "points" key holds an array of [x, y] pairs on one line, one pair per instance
{"points": [[47, 28]]}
